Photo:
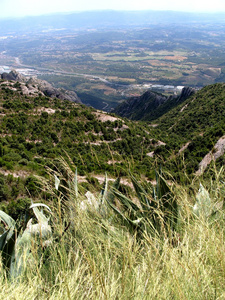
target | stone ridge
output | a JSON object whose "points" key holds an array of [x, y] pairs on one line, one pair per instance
{"points": [[151, 105], [34, 86]]}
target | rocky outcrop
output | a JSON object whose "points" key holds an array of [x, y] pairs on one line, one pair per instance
{"points": [[32, 86], [13, 76], [52, 92], [217, 152], [136, 107], [151, 105], [185, 94]]}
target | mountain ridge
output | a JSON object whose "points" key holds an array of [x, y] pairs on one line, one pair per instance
{"points": [[198, 124], [151, 105], [104, 19], [34, 86]]}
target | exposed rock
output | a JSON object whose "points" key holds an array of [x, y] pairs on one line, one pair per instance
{"points": [[13, 76], [16, 174], [105, 117], [33, 86], [150, 154], [184, 147], [160, 143], [48, 110], [151, 105], [136, 107], [186, 93], [219, 150]]}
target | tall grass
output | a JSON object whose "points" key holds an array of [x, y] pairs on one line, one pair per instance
{"points": [[97, 257]]}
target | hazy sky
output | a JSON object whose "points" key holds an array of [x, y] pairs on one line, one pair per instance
{"points": [[17, 8]]}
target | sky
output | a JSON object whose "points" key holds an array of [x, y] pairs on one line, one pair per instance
{"points": [[20, 8]]}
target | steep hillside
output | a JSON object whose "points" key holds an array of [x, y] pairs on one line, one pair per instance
{"points": [[203, 110], [49, 126], [194, 127], [151, 105], [35, 130]]}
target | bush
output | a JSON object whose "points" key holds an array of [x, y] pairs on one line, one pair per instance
{"points": [[12, 157], [23, 162], [17, 208], [32, 186]]}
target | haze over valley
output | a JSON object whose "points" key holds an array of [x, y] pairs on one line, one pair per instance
{"points": [[107, 57]]}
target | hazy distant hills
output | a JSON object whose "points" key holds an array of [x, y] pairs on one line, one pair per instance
{"points": [[103, 19], [107, 56]]}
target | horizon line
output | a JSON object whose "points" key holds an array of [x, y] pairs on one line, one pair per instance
{"points": [[114, 10]]}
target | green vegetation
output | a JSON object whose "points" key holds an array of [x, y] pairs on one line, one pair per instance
{"points": [[35, 131], [206, 107], [16, 243], [199, 121], [105, 65], [190, 125], [116, 228], [155, 211], [94, 254], [137, 239], [151, 105]]}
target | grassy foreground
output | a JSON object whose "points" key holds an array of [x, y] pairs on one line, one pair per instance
{"points": [[94, 255]]}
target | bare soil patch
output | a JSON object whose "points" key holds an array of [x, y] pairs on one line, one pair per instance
{"points": [[104, 117], [15, 174]]}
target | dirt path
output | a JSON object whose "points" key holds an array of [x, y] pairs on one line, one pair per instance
{"points": [[15, 174]]}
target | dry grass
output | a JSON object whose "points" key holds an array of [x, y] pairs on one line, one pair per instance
{"points": [[97, 258]]}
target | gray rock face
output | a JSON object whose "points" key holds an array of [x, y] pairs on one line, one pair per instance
{"points": [[151, 105], [186, 93], [12, 76], [136, 107], [42, 86]]}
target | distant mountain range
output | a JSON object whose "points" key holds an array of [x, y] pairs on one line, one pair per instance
{"points": [[103, 19]]}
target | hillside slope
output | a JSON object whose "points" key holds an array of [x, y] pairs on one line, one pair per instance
{"points": [[194, 127], [151, 105], [36, 130]]}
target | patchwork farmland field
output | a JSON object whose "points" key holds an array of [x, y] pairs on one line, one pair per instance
{"points": [[105, 66]]}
